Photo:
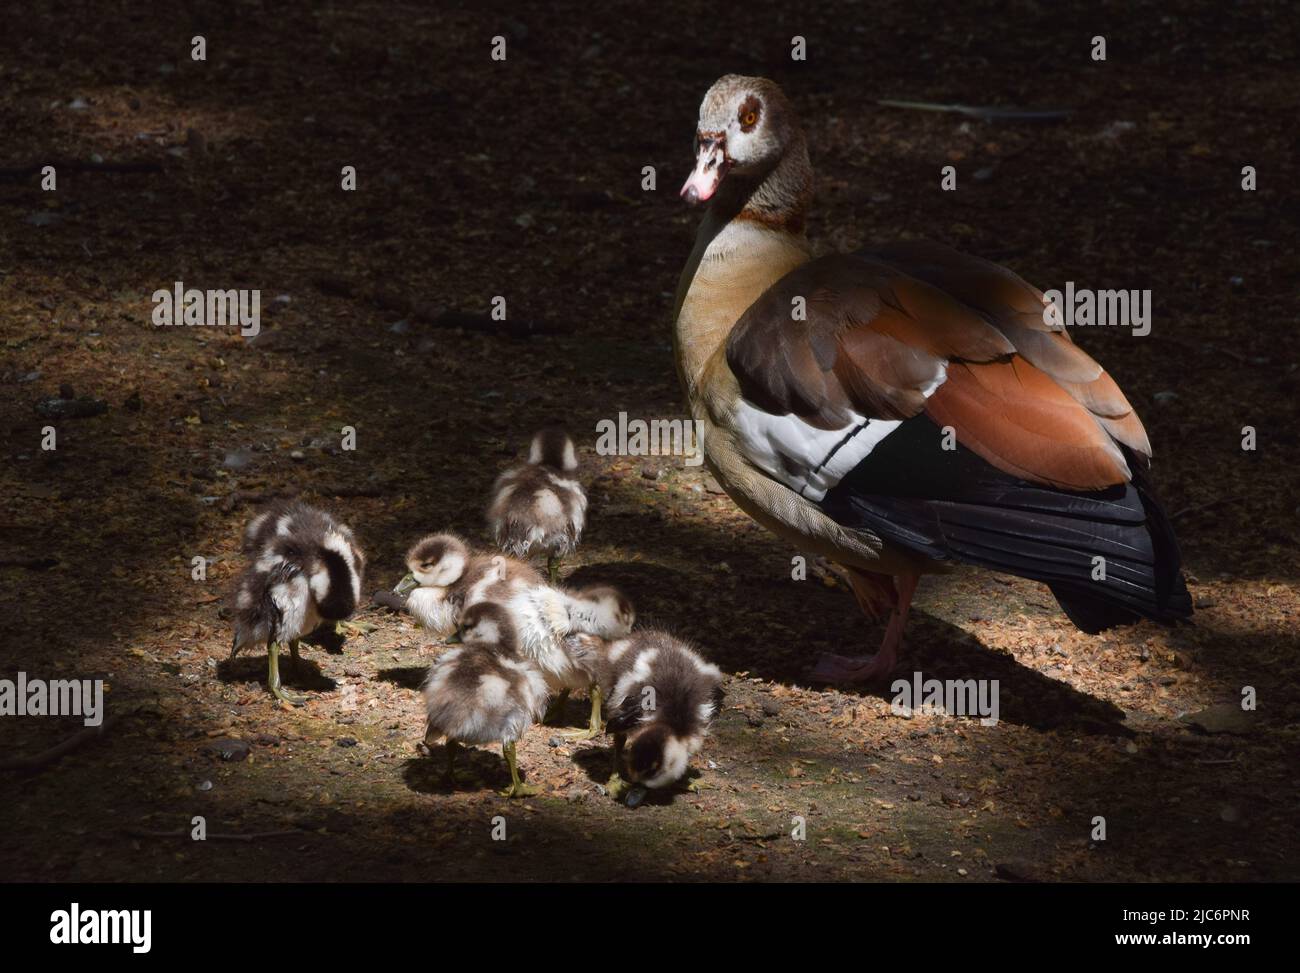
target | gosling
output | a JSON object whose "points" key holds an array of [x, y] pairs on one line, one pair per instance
{"points": [[484, 691], [306, 569], [540, 505]]}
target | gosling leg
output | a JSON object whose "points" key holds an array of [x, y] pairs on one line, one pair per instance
{"points": [[516, 788], [616, 786], [273, 676], [595, 726]]}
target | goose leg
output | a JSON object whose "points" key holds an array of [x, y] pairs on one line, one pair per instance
{"points": [[516, 788], [877, 594], [355, 629], [553, 568], [846, 669], [293, 656], [273, 676]]}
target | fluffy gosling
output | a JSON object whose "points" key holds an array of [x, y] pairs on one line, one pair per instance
{"points": [[540, 505], [661, 697], [446, 576], [484, 691], [306, 569]]}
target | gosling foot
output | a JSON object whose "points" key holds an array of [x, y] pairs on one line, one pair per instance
{"points": [[273, 677], [520, 790]]}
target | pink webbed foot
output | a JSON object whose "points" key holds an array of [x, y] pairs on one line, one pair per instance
{"points": [[844, 669]]}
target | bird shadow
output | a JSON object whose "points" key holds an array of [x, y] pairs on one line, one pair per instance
{"points": [[476, 770], [307, 675], [628, 576], [1024, 696], [736, 619], [597, 762], [575, 714], [327, 637], [408, 677]]}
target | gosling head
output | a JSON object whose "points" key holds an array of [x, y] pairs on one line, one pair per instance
{"points": [[655, 756], [488, 625], [436, 561], [553, 447], [603, 610]]}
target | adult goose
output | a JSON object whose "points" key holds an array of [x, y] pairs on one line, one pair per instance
{"points": [[905, 408]]}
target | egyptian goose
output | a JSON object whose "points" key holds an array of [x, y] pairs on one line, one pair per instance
{"points": [[306, 569], [661, 696], [484, 691], [540, 505], [831, 390]]}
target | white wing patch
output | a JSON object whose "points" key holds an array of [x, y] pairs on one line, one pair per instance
{"points": [[808, 460]]}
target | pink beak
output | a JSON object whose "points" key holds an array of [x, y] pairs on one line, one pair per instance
{"points": [[711, 164]]}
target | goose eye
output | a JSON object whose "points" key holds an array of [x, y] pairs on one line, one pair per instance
{"points": [[749, 118]]}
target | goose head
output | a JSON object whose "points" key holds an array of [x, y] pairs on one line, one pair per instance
{"points": [[746, 127]]}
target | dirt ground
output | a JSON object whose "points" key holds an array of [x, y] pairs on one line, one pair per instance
{"points": [[522, 179]]}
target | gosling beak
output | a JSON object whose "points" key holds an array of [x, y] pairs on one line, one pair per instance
{"points": [[454, 638], [406, 584], [711, 165]]}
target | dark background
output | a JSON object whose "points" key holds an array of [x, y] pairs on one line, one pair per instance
{"points": [[522, 179]]}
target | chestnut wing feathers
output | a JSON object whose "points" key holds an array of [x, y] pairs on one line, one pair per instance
{"points": [[1044, 472], [921, 328]]}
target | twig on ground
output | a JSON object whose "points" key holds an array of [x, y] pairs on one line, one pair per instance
{"points": [[31, 563], [47, 757], [18, 173], [774, 836], [213, 836], [984, 113], [1202, 506]]}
